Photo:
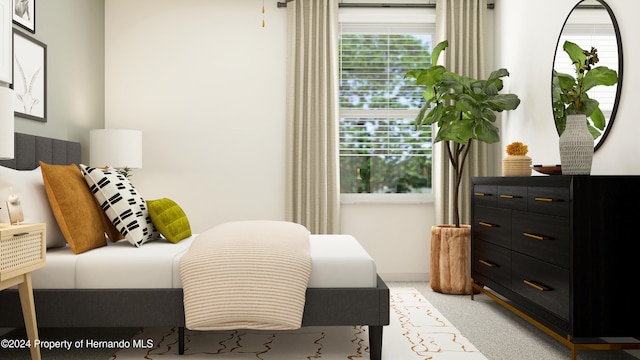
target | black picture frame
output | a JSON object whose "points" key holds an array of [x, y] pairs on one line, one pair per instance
{"points": [[24, 14], [29, 77]]}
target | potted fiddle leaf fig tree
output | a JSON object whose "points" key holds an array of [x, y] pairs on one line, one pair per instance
{"points": [[464, 110]]}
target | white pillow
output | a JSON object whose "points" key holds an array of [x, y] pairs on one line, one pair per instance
{"points": [[29, 187], [122, 203]]}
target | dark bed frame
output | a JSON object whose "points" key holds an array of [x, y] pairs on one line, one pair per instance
{"points": [[164, 307]]}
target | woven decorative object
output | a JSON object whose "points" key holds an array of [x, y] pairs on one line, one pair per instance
{"points": [[516, 165], [576, 147]]}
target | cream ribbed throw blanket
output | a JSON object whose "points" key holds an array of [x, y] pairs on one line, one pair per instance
{"points": [[246, 275]]}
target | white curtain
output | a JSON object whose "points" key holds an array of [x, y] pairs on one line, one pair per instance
{"points": [[462, 23], [312, 115]]}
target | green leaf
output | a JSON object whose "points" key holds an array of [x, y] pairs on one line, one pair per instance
{"points": [[597, 117], [487, 133], [503, 102], [600, 75], [575, 53], [412, 74], [566, 81], [435, 54], [459, 131], [430, 76], [495, 78], [588, 106]]}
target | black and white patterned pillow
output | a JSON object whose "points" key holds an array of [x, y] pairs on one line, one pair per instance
{"points": [[122, 203]]}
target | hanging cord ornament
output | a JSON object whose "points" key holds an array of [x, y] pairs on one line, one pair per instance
{"points": [[262, 13]]}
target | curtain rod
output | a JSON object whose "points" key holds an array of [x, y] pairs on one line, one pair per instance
{"points": [[283, 4]]}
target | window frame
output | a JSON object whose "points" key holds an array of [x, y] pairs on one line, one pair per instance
{"points": [[382, 17]]}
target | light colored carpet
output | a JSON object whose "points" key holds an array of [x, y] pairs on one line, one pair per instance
{"points": [[417, 330], [501, 335]]}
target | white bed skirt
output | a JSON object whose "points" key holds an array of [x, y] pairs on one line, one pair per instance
{"points": [[337, 261]]}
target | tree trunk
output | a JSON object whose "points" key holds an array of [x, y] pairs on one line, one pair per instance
{"points": [[450, 271]]}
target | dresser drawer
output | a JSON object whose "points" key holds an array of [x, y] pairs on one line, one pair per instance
{"points": [[492, 225], [485, 195], [512, 197], [492, 262], [544, 284], [541, 236], [549, 200]]}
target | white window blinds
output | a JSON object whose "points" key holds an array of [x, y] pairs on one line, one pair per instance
{"points": [[380, 149]]}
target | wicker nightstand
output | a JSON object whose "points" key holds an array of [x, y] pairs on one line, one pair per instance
{"points": [[22, 250]]}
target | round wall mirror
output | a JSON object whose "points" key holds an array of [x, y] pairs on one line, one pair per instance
{"points": [[591, 25]]}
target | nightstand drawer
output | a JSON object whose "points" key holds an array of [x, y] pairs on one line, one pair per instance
{"points": [[544, 284], [549, 200], [541, 236], [493, 225], [491, 261], [512, 197], [22, 249]]}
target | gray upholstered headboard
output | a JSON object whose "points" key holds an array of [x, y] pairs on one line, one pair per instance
{"points": [[30, 149]]}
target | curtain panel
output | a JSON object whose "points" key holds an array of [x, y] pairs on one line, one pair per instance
{"points": [[313, 189], [462, 23]]}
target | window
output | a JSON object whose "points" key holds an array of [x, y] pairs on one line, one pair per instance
{"points": [[380, 149]]}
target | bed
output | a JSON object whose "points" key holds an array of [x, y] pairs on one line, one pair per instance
{"points": [[122, 302]]}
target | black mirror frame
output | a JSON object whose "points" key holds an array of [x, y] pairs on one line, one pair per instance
{"points": [[616, 29]]}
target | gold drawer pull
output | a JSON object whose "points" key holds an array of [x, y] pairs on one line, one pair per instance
{"points": [[545, 199], [536, 286], [487, 224], [537, 237], [503, 196], [487, 263], [21, 234], [481, 194]]}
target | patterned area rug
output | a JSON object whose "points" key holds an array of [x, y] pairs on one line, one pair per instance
{"points": [[417, 331]]}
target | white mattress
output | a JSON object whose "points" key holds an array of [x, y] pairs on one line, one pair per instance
{"points": [[336, 261]]}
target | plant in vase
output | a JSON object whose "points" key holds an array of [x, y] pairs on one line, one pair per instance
{"points": [[517, 163], [578, 118], [463, 109]]}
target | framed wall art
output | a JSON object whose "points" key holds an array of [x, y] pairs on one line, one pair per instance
{"points": [[29, 77], [5, 40], [24, 14]]}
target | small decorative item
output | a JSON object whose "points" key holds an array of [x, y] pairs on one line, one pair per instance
{"points": [[517, 163], [576, 146], [15, 209]]}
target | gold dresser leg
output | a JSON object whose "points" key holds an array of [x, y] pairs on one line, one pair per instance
{"points": [[29, 313]]}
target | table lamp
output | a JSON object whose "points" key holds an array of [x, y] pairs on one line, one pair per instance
{"points": [[118, 148]]}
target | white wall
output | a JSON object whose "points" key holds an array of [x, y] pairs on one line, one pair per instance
{"points": [[205, 83], [527, 48]]}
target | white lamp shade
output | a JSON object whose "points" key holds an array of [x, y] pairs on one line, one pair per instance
{"points": [[6, 123], [118, 148]]}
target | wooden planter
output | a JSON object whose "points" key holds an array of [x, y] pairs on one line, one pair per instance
{"points": [[450, 271]]}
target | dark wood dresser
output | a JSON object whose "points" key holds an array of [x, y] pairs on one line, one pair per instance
{"points": [[563, 252]]}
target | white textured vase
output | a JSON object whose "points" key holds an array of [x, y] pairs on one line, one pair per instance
{"points": [[576, 147]]}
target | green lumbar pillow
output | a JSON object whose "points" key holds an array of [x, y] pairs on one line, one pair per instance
{"points": [[169, 219]]}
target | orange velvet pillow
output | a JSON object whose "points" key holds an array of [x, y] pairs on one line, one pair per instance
{"points": [[80, 218]]}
